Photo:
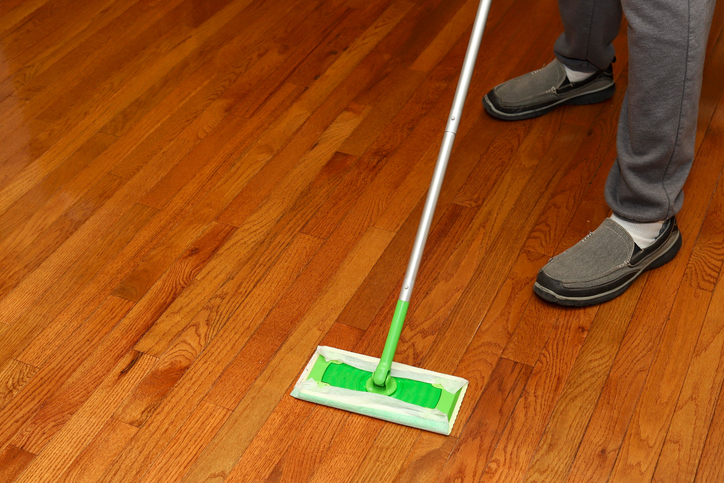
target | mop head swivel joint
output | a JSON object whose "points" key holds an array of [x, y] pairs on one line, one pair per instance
{"points": [[411, 396]]}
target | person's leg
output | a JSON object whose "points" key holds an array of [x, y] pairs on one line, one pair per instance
{"points": [[657, 126], [581, 73], [589, 29], [657, 129]]}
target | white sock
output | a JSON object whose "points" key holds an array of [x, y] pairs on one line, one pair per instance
{"points": [[576, 76], [643, 234]]}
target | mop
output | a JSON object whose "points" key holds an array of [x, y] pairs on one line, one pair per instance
{"points": [[381, 388]]}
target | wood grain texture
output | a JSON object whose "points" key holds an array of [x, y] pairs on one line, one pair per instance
{"points": [[290, 444], [200, 376], [482, 355], [82, 428], [235, 289], [518, 441], [487, 421], [13, 461], [245, 243], [690, 422], [95, 458], [13, 377], [706, 257], [186, 445], [60, 366], [650, 422], [710, 468], [567, 425], [135, 285], [426, 457], [194, 195], [23, 260], [235, 436]]}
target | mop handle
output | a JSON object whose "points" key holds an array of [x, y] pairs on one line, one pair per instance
{"points": [[445, 150], [433, 193]]}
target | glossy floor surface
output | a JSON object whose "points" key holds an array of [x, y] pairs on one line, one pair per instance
{"points": [[194, 194]]}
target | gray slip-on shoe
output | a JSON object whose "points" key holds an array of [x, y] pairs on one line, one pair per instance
{"points": [[603, 265], [541, 91]]}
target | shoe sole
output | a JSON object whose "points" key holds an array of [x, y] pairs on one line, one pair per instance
{"points": [[581, 100], [666, 256]]}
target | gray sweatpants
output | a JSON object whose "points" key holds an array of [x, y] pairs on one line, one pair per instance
{"points": [[657, 127]]}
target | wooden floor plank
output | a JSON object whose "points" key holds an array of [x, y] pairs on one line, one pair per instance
{"points": [[385, 458], [154, 387], [706, 257], [103, 163], [98, 85], [567, 425], [425, 459], [43, 297], [171, 53], [121, 267], [685, 438], [185, 447], [649, 425], [58, 61], [235, 436], [347, 449], [82, 428], [275, 451], [483, 354], [230, 388], [532, 332], [60, 366], [40, 24], [26, 206], [514, 451], [276, 136], [17, 10], [201, 376], [252, 232], [182, 238], [76, 27], [93, 460], [710, 468], [37, 60], [13, 377], [182, 143], [491, 414], [23, 260], [12, 462], [52, 416], [292, 49]]}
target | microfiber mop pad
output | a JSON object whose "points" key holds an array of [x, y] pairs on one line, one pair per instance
{"points": [[424, 399]]}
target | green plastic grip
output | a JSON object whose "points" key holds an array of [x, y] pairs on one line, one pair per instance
{"points": [[382, 372]]}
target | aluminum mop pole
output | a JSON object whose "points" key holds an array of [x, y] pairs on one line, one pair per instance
{"points": [[381, 375]]}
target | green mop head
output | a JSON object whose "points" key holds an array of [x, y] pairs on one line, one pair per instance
{"points": [[423, 399]]}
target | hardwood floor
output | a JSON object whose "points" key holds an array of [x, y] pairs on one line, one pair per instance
{"points": [[194, 194]]}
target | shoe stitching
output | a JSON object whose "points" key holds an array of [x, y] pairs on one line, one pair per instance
{"points": [[624, 264]]}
